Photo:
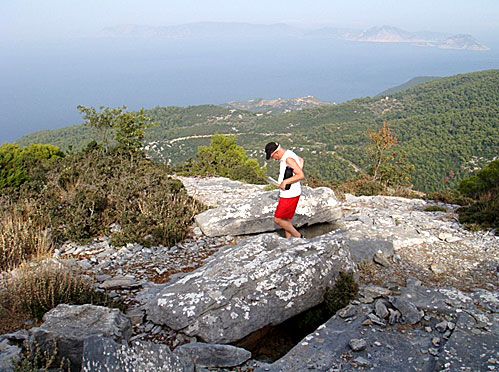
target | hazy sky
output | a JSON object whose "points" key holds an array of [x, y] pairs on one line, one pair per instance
{"points": [[24, 20]]}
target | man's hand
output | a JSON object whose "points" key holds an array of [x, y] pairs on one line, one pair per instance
{"points": [[283, 184]]}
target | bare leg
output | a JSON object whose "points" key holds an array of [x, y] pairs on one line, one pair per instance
{"points": [[288, 227]]}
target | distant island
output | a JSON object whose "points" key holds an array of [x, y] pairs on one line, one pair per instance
{"points": [[378, 34]]}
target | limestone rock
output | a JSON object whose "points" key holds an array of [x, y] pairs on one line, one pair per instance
{"points": [[105, 355], [212, 355], [357, 344], [409, 311], [69, 325], [119, 283], [472, 346], [470, 351], [256, 213], [261, 281]]}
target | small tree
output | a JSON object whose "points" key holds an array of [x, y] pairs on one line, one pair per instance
{"points": [[387, 166], [128, 127], [226, 159]]}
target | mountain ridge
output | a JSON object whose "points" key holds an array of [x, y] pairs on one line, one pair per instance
{"points": [[377, 34]]}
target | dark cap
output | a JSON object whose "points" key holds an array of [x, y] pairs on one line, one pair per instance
{"points": [[270, 148]]}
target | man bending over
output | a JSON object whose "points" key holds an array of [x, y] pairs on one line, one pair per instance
{"points": [[290, 174]]}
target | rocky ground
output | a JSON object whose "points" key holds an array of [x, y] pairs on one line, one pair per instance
{"points": [[430, 247]]}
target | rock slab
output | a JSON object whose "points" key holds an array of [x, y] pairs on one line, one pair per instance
{"points": [[261, 281], [256, 213], [105, 355], [212, 355], [67, 327]]}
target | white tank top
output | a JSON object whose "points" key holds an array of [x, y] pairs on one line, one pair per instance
{"points": [[295, 188]]}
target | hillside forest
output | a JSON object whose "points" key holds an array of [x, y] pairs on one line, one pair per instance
{"points": [[446, 128]]}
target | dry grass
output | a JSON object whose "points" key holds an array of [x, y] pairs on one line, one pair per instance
{"points": [[33, 289], [21, 237], [34, 360]]}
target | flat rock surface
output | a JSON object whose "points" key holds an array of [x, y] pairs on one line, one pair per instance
{"points": [[217, 191]]}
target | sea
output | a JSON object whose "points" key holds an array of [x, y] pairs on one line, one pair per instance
{"points": [[42, 83]]}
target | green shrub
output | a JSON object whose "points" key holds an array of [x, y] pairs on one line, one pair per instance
{"points": [[482, 214], [224, 158], [89, 191], [435, 208], [485, 181], [84, 193], [19, 165], [345, 290], [484, 189], [449, 197]]}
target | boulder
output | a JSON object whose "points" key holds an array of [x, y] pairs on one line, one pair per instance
{"points": [[67, 327], [102, 354], [261, 281], [255, 214], [212, 355]]}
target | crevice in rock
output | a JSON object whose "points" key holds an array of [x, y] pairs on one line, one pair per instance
{"points": [[317, 229], [272, 342]]}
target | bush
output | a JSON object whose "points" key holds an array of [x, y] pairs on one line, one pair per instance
{"points": [[86, 192], [224, 158], [484, 189], [486, 181], [482, 214], [449, 197], [36, 288], [17, 165], [36, 361]]}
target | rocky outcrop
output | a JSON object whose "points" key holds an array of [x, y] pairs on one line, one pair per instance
{"points": [[261, 281], [67, 326], [256, 213], [435, 329], [105, 355]]}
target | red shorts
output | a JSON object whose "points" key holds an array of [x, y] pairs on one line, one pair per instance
{"points": [[286, 207]]}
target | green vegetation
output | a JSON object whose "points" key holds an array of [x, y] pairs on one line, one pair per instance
{"points": [[128, 127], [435, 208], [484, 189], [224, 158], [345, 290], [16, 162], [446, 128]]}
